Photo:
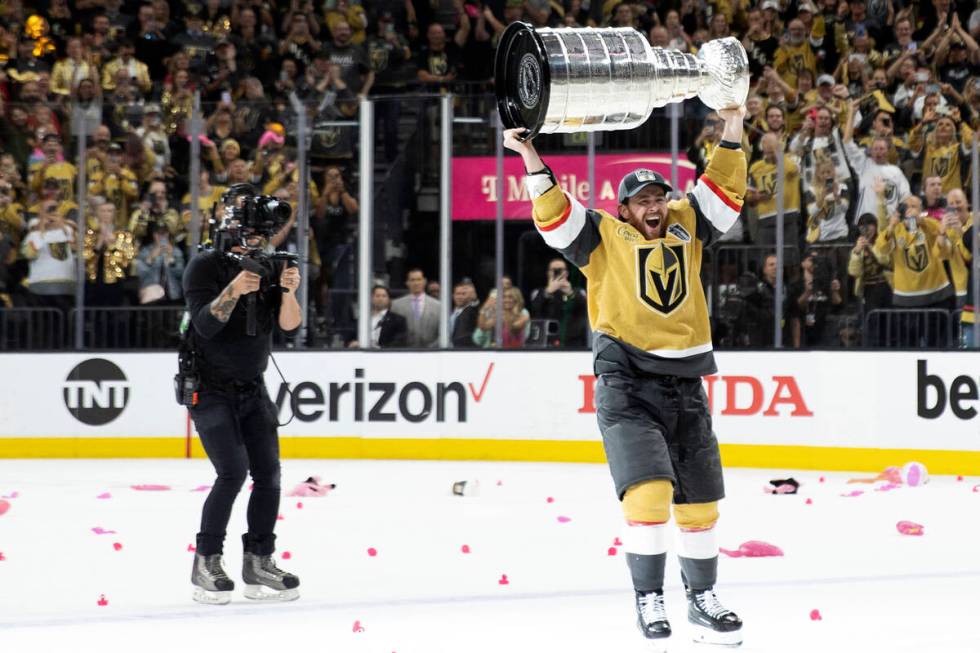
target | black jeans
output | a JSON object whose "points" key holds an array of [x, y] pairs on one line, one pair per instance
{"points": [[237, 425]]}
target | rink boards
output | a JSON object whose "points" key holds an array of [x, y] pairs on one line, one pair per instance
{"points": [[816, 410]]}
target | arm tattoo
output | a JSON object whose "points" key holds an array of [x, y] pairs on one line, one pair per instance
{"points": [[224, 304]]}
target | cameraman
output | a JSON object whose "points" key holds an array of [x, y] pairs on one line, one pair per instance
{"points": [[812, 299], [234, 416]]}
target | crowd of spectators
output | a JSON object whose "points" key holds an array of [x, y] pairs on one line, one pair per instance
{"points": [[870, 107]]}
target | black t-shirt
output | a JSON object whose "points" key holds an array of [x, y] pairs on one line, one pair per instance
{"points": [[956, 74], [353, 62], [440, 63], [257, 57], [225, 351], [387, 61], [761, 54]]}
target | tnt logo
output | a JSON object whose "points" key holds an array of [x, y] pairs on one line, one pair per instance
{"points": [[96, 392]]}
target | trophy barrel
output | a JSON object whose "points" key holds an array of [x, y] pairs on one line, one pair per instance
{"points": [[587, 79]]}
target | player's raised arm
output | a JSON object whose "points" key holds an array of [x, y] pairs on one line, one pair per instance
{"points": [[721, 189], [561, 220]]}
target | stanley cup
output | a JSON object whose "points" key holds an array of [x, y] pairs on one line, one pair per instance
{"points": [[587, 79]]}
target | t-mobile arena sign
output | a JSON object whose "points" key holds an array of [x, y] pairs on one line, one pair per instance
{"points": [[475, 181]]}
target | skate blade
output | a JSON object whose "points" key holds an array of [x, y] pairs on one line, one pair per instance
{"points": [[263, 593], [703, 635], [209, 597]]}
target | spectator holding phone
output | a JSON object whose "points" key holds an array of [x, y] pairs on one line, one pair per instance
{"points": [[50, 251], [872, 166], [944, 148], [566, 305], [956, 218], [871, 270], [517, 321]]}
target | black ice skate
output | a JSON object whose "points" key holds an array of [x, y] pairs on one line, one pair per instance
{"points": [[266, 582], [713, 622], [652, 616], [211, 583]]}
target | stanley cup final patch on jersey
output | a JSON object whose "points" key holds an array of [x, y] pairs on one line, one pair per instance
{"points": [[662, 276]]}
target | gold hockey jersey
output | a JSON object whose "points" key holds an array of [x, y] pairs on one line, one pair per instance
{"points": [[920, 278], [646, 303]]}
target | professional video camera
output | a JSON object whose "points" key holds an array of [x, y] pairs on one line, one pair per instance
{"points": [[241, 214]]}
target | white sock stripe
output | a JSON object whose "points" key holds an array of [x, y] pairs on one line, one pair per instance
{"points": [[697, 545], [647, 539]]}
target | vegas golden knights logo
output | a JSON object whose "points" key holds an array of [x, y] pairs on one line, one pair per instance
{"points": [[59, 251], [917, 257], [662, 276], [941, 166]]}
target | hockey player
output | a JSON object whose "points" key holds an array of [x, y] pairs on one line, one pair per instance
{"points": [[652, 345]]}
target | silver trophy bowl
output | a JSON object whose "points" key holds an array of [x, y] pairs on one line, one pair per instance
{"points": [[587, 79]]}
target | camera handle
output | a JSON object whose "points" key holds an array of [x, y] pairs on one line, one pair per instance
{"points": [[250, 320]]}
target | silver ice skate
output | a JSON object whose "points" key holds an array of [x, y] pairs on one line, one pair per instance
{"points": [[266, 582], [211, 583]]}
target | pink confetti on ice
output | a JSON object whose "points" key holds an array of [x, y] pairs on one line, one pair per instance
{"points": [[809, 502], [612, 551], [299, 505], [104, 495], [822, 479], [358, 628], [1, 556], [191, 548], [550, 499], [117, 546], [910, 528], [499, 483], [98, 530], [465, 548], [503, 580], [286, 555], [102, 600], [372, 552], [280, 518], [754, 549], [312, 487], [4, 506], [12, 495], [886, 487], [150, 487], [617, 542], [854, 493], [201, 488], [815, 615], [959, 477], [562, 519], [976, 488]]}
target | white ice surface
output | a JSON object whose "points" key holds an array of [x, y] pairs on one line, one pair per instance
{"points": [[876, 589]]}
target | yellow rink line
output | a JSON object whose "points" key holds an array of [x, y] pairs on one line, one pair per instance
{"points": [[733, 455]]}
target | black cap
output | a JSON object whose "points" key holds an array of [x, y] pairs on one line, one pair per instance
{"points": [[639, 179]]}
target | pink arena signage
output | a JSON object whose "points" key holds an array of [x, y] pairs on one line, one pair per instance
{"points": [[475, 181]]}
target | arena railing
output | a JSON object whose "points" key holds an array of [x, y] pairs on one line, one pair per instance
{"points": [[32, 329], [911, 328]]}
